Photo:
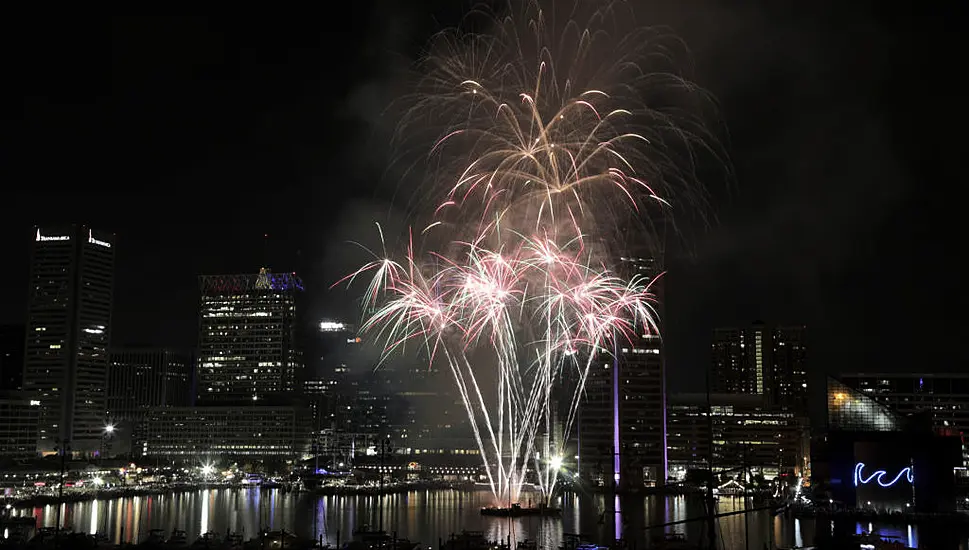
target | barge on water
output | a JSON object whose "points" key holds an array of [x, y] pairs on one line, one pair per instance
{"points": [[517, 510]]}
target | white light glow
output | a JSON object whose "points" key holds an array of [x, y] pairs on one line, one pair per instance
{"points": [[92, 240], [332, 326], [48, 238]]}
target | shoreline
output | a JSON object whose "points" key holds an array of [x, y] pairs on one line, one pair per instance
{"points": [[952, 519], [86, 495], [108, 494]]}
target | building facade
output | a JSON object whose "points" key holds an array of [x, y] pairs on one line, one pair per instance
{"points": [[946, 396], [621, 428], [12, 357], [747, 434], [223, 432], [411, 406], [874, 458], [143, 378], [247, 331], [68, 331], [762, 360], [19, 416]]}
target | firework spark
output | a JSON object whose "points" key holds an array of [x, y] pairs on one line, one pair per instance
{"points": [[554, 145]]}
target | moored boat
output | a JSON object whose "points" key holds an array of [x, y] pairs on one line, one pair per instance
{"points": [[517, 510]]}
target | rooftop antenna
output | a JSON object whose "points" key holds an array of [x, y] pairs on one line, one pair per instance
{"points": [[265, 249]]}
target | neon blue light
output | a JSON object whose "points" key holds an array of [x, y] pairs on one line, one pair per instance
{"points": [[879, 476]]}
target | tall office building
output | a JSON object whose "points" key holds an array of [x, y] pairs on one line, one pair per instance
{"points": [[762, 360], [621, 432], [247, 349], [140, 379], [621, 426], [332, 351], [68, 330], [789, 367], [741, 360]]}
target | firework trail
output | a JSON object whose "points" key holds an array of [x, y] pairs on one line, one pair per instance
{"points": [[552, 142]]}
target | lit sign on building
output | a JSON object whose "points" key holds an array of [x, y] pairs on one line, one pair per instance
{"points": [[92, 240], [881, 476], [331, 326], [262, 280], [48, 238]]}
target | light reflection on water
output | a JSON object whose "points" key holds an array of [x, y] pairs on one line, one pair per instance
{"points": [[428, 516]]}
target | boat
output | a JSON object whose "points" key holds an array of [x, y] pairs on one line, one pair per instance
{"points": [[366, 538], [573, 541], [17, 537], [471, 540], [674, 541], [517, 510], [47, 535], [234, 540], [878, 541], [208, 540], [156, 537], [18, 520], [178, 539], [279, 539]]}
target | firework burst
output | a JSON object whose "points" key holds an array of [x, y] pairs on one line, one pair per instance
{"points": [[554, 141]]}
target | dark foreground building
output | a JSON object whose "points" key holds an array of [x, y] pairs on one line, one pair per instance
{"points": [[875, 459]]}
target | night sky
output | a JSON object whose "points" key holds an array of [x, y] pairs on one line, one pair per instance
{"points": [[192, 139]]}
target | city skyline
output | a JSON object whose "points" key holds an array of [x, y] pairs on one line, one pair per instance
{"points": [[300, 139], [659, 273]]}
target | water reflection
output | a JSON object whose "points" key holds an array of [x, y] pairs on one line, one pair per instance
{"points": [[430, 516], [93, 528], [895, 533], [205, 511]]}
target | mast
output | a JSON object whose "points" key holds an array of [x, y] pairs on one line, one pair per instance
{"points": [[711, 503]]}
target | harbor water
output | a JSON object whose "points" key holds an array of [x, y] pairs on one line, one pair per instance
{"points": [[429, 516]]}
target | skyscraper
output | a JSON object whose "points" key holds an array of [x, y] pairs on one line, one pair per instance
{"points": [[741, 360], [789, 367], [68, 330], [621, 429], [247, 331], [762, 360], [770, 362]]}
